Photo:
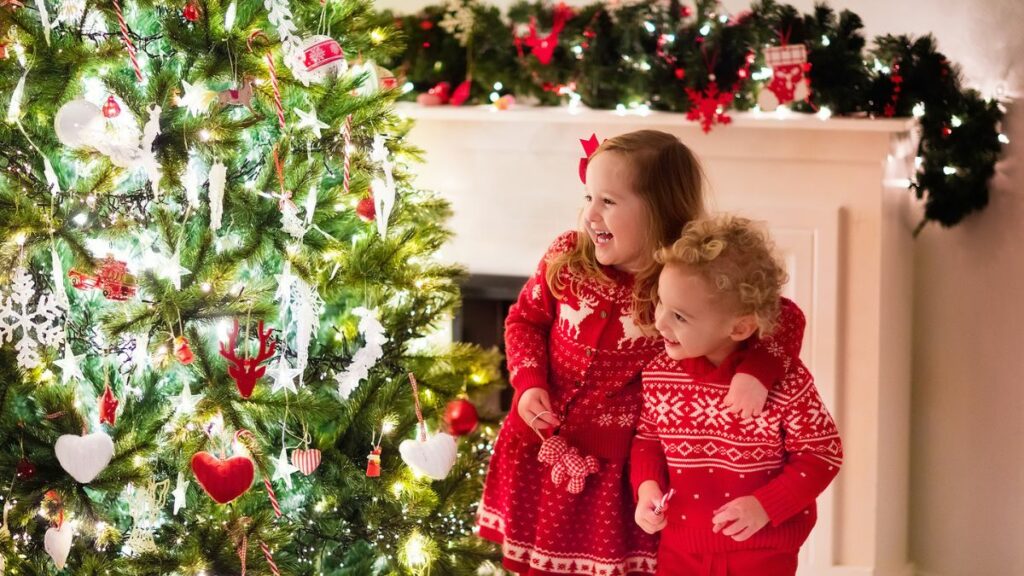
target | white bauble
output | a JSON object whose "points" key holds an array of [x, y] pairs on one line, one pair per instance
{"points": [[78, 123], [323, 57]]}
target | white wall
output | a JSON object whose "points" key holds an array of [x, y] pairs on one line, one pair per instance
{"points": [[967, 479]]}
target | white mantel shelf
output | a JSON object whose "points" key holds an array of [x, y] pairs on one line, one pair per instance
{"points": [[586, 116], [832, 192]]}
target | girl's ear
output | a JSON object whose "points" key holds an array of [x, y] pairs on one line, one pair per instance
{"points": [[743, 327]]}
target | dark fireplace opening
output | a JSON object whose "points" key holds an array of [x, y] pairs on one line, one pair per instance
{"points": [[481, 320]]}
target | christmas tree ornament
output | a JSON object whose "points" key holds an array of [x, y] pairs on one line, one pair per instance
{"points": [[436, 96], [70, 11], [40, 324], [789, 82], [223, 479], [111, 109], [461, 417], [346, 134], [461, 93], [709, 106], [310, 121], [283, 469], [218, 181], [272, 69], [140, 351], [193, 180], [383, 191], [25, 469], [57, 270], [283, 375], [365, 209], [191, 11], [112, 280], [241, 96], [84, 457], [180, 493], [172, 270], [187, 401], [306, 307], [373, 463], [147, 157], [78, 123], [243, 369], [429, 455], [44, 19], [197, 98], [144, 505], [323, 58], [70, 365], [108, 406], [366, 357], [182, 350], [306, 461], [377, 78], [57, 543]]}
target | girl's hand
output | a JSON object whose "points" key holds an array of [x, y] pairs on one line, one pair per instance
{"points": [[740, 519], [746, 396], [535, 409], [648, 497]]}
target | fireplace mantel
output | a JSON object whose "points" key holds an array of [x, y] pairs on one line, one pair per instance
{"points": [[833, 193]]}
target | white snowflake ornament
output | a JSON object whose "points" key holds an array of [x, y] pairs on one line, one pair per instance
{"points": [[38, 325]]}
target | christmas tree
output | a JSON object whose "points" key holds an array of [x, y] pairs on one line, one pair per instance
{"points": [[219, 301]]}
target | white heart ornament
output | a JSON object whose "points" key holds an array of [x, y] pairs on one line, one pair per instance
{"points": [[57, 544], [433, 458], [84, 457]]}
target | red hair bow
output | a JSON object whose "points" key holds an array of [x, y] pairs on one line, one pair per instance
{"points": [[589, 147]]}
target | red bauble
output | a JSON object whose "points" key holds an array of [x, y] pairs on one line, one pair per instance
{"points": [[460, 416], [191, 12], [680, 73], [426, 25], [25, 470], [182, 350], [223, 480], [111, 108], [461, 94], [366, 210], [436, 96], [108, 406]]}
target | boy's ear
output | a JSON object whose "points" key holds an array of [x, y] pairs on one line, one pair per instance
{"points": [[743, 327]]}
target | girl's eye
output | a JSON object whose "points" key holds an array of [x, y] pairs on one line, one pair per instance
{"points": [[678, 317], [609, 203], [587, 197]]}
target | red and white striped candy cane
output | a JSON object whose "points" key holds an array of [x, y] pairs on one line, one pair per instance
{"points": [[270, 559], [273, 76], [127, 40]]}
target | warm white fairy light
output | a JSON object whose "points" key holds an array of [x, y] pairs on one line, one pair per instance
{"points": [[1004, 139], [956, 121], [824, 113], [705, 29], [498, 85], [918, 110], [649, 26], [949, 170]]}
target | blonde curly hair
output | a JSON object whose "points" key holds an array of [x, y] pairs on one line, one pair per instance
{"points": [[737, 259]]}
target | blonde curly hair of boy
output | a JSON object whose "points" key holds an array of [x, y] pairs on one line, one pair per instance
{"points": [[737, 259]]}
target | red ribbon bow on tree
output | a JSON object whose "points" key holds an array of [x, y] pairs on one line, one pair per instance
{"points": [[589, 147], [569, 467]]}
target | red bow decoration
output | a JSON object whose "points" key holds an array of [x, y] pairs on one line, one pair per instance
{"points": [[569, 467], [589, 147]]}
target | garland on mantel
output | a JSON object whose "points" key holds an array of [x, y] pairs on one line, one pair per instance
{"points": [[698, 59]]}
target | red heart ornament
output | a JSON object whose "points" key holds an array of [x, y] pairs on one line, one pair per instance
{"points": [[306, 460], [223, 480]]}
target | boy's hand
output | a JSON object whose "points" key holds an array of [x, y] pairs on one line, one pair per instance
{"points": [[535, 409], [746, 396], [648, 497], [740, 519]]}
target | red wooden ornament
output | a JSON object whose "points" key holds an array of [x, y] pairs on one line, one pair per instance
{"points": [[366, 210], [182, 351], [108, 406], [111, 108], [223, 480], [373, 465], [246, 371], [461, 93], [112, 278], [460, 416], [307, 461], [191, 12]]}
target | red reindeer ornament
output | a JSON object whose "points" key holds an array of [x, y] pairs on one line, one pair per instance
{"points": [[246, 371]]}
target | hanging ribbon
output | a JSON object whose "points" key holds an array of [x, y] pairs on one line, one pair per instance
{"points": [[273, 75], [126, 36], [419, 413]]}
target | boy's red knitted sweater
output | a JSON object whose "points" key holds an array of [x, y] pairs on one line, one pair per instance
{"points": [[785, 457]]}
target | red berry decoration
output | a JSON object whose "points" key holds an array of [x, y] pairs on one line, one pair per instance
{"points": [[191, 12], [365, 209], [25, 469], [111, 108], [461, 417]]}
